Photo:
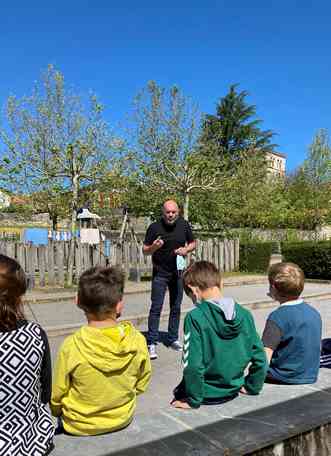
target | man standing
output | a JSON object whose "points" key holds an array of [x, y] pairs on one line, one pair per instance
{"points": [[168, 241]]}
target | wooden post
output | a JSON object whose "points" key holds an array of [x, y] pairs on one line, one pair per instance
{"points": [[237, 254], [216, 253], [90, 255], [78, 260], [226, 256], [113, 254], [42, 265], [60, 262], [102, 257], [135, 254], [134, 267], [50, 263], [31, 256], [85, 251], [142, 259], [229, 251], [3, 248], [21, 255], [10, 249], [127, 256], [198, 249], [119, 255], [210, 250], [221, 255], [202, 250], [87, 256], [232, 261], [149, 262], [96, 254]]}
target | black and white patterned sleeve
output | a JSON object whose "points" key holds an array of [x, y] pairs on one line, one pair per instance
{"points": [[46, 371]]}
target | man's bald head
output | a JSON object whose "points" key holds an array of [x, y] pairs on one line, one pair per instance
{"points": [[170, 212]]}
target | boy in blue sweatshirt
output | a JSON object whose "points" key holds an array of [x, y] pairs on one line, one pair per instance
{"points": [[292, 335], [220, 341]]}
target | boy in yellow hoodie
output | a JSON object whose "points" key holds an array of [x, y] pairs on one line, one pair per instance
{"points": [[101, 368]]}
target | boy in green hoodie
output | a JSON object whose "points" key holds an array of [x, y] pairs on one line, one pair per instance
{"points": [[101, 368], [220, 341]]}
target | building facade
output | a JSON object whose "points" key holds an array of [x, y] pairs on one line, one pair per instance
{"points": [[276, 163]]}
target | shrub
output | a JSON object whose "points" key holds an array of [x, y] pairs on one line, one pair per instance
{"points": [[314, 258], [255, 256]]}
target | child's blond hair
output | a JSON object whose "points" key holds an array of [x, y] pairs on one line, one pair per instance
{"points": [[287, 278]]}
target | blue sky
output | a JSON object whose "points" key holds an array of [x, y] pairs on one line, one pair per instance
{"points": [[279, 51]]}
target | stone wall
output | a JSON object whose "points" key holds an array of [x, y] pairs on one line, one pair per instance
{"points": [[316, 442]]}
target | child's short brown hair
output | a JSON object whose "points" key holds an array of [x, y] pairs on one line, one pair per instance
{"points": [[202, 274], [100, 289], [287, 278]]}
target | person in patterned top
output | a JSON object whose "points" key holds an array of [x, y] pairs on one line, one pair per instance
{"points": [[26, 427]]}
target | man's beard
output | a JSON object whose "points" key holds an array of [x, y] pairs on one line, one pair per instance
{"points": [[170, 222]]}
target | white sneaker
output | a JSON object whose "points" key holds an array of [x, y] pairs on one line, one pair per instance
{"points": [[152, 351], [175, 345]]}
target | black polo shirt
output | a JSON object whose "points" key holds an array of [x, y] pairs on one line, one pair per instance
{"points": [[174, 236]]}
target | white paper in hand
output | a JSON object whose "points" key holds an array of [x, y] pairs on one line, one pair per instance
{"points": [[181, 263]]}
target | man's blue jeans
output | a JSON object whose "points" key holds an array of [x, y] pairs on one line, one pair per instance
{"points": [[160, 284]]}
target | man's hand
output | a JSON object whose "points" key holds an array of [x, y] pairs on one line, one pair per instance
{"points": [[243, 390], [181, 251], [180, 404], [157, 244], [150, 249]]}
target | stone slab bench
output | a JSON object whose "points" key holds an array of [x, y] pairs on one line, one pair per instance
{"points": [[281, 421]]}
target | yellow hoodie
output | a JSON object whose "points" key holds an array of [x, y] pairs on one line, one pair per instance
{"points": [[98, 374]]}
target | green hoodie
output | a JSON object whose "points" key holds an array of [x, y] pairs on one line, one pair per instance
{"points": [[218, 346]]}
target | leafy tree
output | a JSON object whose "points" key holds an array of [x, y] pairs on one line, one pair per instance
{"points": [[300, 201], [233, 205], [308, 187], [164, 159], [249, 199], [55, 201], [234, 128], [317, 166], [56, 143]]}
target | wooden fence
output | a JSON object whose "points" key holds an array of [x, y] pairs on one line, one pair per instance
{"points": [[47, 265]]}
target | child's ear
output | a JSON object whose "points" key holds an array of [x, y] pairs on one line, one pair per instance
{"points": [[119, 308], [273, 293], [194, 291]]}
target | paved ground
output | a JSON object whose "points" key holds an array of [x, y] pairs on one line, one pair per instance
{"points": [[62, 314], [47, 293]]}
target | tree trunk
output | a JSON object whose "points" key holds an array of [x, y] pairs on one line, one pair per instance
{"points": [[54, 221], [186, 205], [75, 185]]}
